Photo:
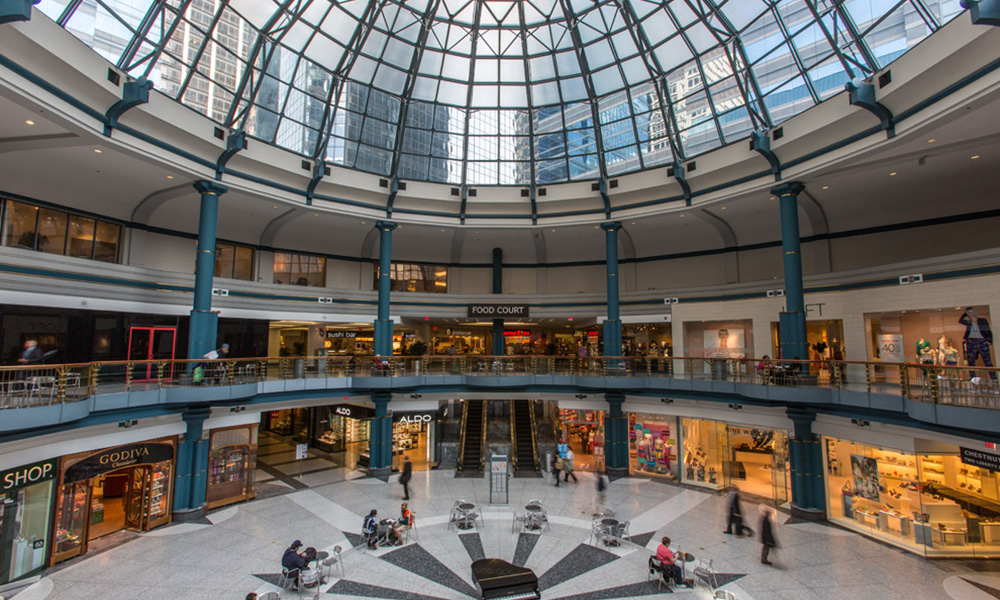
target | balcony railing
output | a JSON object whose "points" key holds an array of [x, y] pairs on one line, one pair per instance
{"points": [[56, 384]]}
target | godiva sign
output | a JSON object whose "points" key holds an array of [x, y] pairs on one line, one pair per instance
{"points": [[113, 459], [27, 475]]}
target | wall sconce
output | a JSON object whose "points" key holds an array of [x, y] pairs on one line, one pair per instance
{"points": [[237, 409], [861, 422], [667, 400], [736, 406], [581, 396], [415, 396], [129, 423]]}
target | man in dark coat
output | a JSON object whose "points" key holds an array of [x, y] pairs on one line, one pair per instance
{"points": [[32, 354], [404, 478], [293, 560], [734, 515], [767, 539]]}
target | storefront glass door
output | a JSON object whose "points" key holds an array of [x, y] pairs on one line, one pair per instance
{"points": [[151, 343], [72, 513], [136, 498]]}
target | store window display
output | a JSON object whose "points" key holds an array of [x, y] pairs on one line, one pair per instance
{"points": [[703, 451], [653, 445], [928, 337], [414, 435], [25, 511], [932, 504], [231, 465]]}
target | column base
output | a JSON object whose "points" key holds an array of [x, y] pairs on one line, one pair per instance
{"points": [[381, 474], [189, 515], [813, 515], [614, 474]]}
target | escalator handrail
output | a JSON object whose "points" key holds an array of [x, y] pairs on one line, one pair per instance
{"points": [[482, 441], [513, 436], [534, 438], [461, 437]]}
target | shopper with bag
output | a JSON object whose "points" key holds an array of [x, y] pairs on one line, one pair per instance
{"points": [[557, 467]]}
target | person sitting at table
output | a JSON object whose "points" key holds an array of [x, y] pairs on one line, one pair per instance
{"points": [[669, 562], [404, 522], [294, 562]]}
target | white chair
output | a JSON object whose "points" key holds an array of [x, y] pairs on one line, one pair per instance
{"points": [[269, 596], [706, 573], [411, 528], [335, 559], [518, 518]]}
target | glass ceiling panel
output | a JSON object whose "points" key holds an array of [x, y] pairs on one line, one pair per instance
{"points": [[500, 92]]}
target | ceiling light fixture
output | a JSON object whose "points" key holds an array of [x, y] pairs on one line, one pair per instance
{"points": [[893, 174], [723, 208], [974, 157], [97, 150], [931, 141], [682, 216], [29, 122], [170, 176], [826, 187]]}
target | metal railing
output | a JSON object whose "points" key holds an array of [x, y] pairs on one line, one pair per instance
{"points": [[45, 385], [534, 435], [513, 436], [461, 436]]}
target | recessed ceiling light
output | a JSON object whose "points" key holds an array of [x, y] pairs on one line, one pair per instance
{"points": [[633, 222], [364, 222], [826, 187], [275, 206], [931, 141], [29, 122], [893, 174], [682, 216], [97, 150], [774, 197], [553, 231], [170, 176], [975, 157], [723, 208], [315, 214]]}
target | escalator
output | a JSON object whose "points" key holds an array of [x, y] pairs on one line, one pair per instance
{"points": [[473, 443], [522, 433]]}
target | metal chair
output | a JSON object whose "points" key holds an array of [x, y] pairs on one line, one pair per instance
{"points": [[288, 578], [518, 518], [656, 570], [622, 531], [269, 596], [335, 559]]}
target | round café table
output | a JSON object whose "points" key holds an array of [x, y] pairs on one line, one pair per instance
{"points": [[465, 509], [611, 527], [534, 516]]}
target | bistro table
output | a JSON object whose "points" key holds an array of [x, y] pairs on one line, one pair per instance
{"points": [[313, 574], [533, 518], [464, 512], [610, 527]]}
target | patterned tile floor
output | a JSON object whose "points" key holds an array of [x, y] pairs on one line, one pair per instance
{"points": [[240, 550]]}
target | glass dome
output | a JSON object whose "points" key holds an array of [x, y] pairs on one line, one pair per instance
{"points": [[484, 92]]}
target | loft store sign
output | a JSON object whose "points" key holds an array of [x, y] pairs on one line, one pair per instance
{"points": [[27, 475], [498, 310], [121, 457], [978, 458]]}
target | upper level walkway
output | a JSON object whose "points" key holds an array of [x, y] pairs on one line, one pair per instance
{"points": [[955, 397]]}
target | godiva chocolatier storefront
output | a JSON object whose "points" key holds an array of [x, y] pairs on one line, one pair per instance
{"points": [[99, 493]]}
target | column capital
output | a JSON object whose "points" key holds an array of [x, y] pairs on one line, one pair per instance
{"points": [[611, 226], [385, 225], [800, 415], [210, 187], [792, 188]]}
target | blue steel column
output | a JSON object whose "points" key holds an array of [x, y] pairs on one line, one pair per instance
{"points": [[383, 324], [498, 341], [806, 461], [204, 326], [616, 435], [191, 479], [380, 437], [613, 325], [793, 320]]}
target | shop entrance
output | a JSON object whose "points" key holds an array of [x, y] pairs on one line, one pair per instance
{"points": [[583, 432], [25, 509], [151, 343], [414, 436], [103, 493]]}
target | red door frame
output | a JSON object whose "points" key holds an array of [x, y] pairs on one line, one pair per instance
{"points": [[149, 347]]}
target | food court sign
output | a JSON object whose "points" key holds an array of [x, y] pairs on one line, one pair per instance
{"points": [[498, 311]]}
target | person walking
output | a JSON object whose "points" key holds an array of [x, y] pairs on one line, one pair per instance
{"points": [[568, 465], [405, 477], [734, 513], [767, 539], [557, 467], [32, 354], [602, 488]]}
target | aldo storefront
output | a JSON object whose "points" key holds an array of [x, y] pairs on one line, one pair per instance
{"points": [[25, 510], [125, 487]]}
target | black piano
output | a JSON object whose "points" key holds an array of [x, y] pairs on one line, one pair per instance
{"points": [[499, 580]]}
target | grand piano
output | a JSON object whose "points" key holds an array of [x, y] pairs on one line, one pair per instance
{"points": [[497, 579]]}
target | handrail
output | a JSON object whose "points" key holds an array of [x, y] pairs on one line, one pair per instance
{"points": [[534, 434], [513, 436], [482, 442], [461, 437], [44, 385]]}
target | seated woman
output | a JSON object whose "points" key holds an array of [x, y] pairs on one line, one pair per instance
{"points": [[668, 560]]}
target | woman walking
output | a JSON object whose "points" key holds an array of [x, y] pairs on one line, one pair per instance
{"points": [[767, 539]]}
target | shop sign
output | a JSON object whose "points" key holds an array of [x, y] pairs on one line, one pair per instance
{"points": [[354, 412], [412, 417], [459, 333], [496, 311], [517, 333], [118, 458], [341, 334], [27, 475], [978, 458]]}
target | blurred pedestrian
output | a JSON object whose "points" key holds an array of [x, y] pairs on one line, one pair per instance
{"points": [[405, 477], [568, 465], [767, 538], [734, 513]]}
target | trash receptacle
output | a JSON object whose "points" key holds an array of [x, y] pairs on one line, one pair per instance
{"points": [[299, 368]]}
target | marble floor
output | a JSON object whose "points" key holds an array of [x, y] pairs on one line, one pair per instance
{"points": [[238, 549]]}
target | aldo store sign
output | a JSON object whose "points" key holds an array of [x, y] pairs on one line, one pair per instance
{"points": [[497, 311], [27, 475], [412, 417]]}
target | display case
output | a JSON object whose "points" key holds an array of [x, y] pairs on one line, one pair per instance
{"points": [[159, 494], [71, 521]]}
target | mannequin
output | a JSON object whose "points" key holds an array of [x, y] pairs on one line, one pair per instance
{"points": [[925, 353], [977, 341], [947, 353]]}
